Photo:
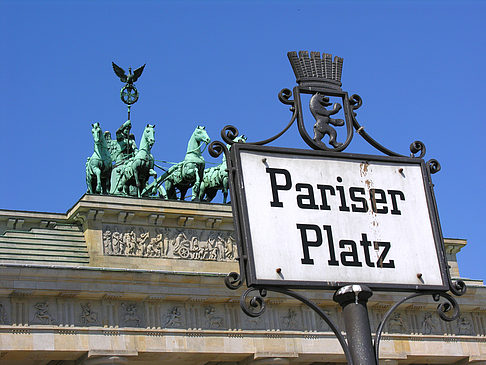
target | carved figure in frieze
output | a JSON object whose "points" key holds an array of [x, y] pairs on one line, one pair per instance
{"points": [[195, 249], [116, 240], [107, 244], [130, 315], [141, 243], [428, 325], [129, 243], [318, 104], [464, 326], [230, 248], [212, 319], [180, 245], [290, 319], [165, 246], [204, 249], [153, 248], [396, 324], [220, 248], [88, 316], [3, 315], [42, 313], [173, 318]]}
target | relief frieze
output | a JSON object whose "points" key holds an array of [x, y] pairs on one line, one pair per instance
{"points": [[194, 316], [173, 318], [173, 243], [42, 314], [88, 316]]}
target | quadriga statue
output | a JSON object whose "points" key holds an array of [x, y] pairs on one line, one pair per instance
{"points": [[119, 167]]}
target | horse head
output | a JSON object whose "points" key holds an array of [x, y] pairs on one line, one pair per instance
{"points": [[149, 135], [200, 135], [96, 131]]}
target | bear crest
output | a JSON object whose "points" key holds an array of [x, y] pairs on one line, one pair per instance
{"points": [[318, 104]]}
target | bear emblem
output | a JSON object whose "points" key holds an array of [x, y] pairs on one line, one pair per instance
{"points": [[318, 104]]}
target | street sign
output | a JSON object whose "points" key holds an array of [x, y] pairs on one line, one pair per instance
{"points": [[315, 219]]}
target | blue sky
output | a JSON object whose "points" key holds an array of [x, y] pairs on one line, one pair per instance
{"points": [[418, 65]]}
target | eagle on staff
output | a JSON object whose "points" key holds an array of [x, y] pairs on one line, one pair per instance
{"points": [[131, 77], [129, 93]]}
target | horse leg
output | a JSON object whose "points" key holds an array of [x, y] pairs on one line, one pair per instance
{"points": [[170, 189], [196, 186], [183, 192], [210, 194], [224, 189], [135, 168], [202, 190], [107, 181], [97, 172], [88, 179], [162, 192]]}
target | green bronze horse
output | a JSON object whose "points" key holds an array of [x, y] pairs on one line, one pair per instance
{"points": [[138, 169], [98, 166], [216, 178], [188, 173]]}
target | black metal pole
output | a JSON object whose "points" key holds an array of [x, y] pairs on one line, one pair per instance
{"points": [[353, 299]]}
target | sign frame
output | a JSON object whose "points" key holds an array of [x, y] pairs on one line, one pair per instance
{"points": [[245, 243]]}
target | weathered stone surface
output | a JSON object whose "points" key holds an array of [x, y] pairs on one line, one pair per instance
{"points": [[136, 298], [175, 243]]}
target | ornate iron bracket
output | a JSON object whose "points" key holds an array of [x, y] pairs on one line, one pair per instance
{"points": [[321, 78], [442, 309], [254, 306], [417, 148]]}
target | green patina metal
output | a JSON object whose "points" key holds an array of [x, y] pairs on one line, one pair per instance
{"points": [[185, 174], [119, 167], [98, 166], [137, 170], [216, 178], [122, 150]]}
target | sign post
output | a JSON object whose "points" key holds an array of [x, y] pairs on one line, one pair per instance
{"points": [[324, 219]]}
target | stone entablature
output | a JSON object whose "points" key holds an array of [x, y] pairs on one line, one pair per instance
{"points": [[94, 209], [109, 231], [150, 288], [129, 307], [24, 309]]}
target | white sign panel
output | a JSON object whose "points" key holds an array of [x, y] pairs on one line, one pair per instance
{"points": [[340, 219]]}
